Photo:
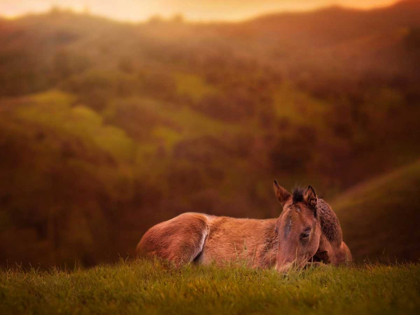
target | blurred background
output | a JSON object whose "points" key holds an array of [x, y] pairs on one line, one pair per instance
{"points": [[116, 115]]}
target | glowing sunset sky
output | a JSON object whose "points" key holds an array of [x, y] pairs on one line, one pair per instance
{"points": [[136, 10]]}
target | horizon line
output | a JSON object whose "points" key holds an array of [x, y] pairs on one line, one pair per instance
{"points": [[184, 17]]}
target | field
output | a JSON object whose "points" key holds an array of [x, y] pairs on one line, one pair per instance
{"points": [[146, 288]]}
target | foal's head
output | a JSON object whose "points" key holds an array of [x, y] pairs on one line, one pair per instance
{"points": [[298, 227]]}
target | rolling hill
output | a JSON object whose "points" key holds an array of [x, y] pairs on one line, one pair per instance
{"points": [[380, 218]]}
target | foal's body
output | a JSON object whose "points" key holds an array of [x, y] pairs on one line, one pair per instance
{"points": [[207, 239]]}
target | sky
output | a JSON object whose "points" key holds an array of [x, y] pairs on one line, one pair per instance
{"points": [[197, 10]]}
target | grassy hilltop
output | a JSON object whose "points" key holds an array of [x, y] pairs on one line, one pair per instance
{"points": [[144, 288]]}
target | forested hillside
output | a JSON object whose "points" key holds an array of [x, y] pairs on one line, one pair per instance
{"points": [[107, 128]]}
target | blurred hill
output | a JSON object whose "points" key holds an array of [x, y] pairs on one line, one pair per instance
{"points": [[108, 128], [379, 217]]}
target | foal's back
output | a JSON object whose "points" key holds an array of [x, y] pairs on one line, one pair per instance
{"points": [[206, 239]]}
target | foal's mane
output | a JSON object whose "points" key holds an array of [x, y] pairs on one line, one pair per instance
{"points": [[298, 194], [329, 222], [330, 225]]}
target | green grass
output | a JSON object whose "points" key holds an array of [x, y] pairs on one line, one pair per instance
{"points": [[147, 288]]}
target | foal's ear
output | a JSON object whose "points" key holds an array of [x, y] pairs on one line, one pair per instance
{"points": [[281, 193], [310, 197]]}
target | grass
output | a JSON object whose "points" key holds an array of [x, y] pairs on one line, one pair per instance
{"points": [[147, 288]]}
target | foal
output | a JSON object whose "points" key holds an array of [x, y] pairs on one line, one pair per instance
{"points": [[306, 230]]}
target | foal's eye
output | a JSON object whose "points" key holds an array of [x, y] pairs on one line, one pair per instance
{"points": [[304, 235]]}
